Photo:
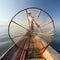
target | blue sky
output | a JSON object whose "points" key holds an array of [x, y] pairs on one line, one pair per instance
{"points": [[8, 8]]}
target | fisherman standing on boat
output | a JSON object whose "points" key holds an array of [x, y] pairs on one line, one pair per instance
{"points": [[33, 22]]}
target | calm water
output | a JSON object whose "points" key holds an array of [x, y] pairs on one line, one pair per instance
{"points": [[5, 41], [56, 43]]}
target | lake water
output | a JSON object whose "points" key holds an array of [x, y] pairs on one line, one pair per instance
{"points": [[56, 43], [5, 41]]}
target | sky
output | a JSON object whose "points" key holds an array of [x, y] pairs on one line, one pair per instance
{"points": [[8, 8]]}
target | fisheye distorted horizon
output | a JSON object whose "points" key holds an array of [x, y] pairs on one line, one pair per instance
{"points": [[9, 8]]}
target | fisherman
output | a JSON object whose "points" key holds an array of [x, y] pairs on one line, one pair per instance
{"points": [[33, 22]]}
